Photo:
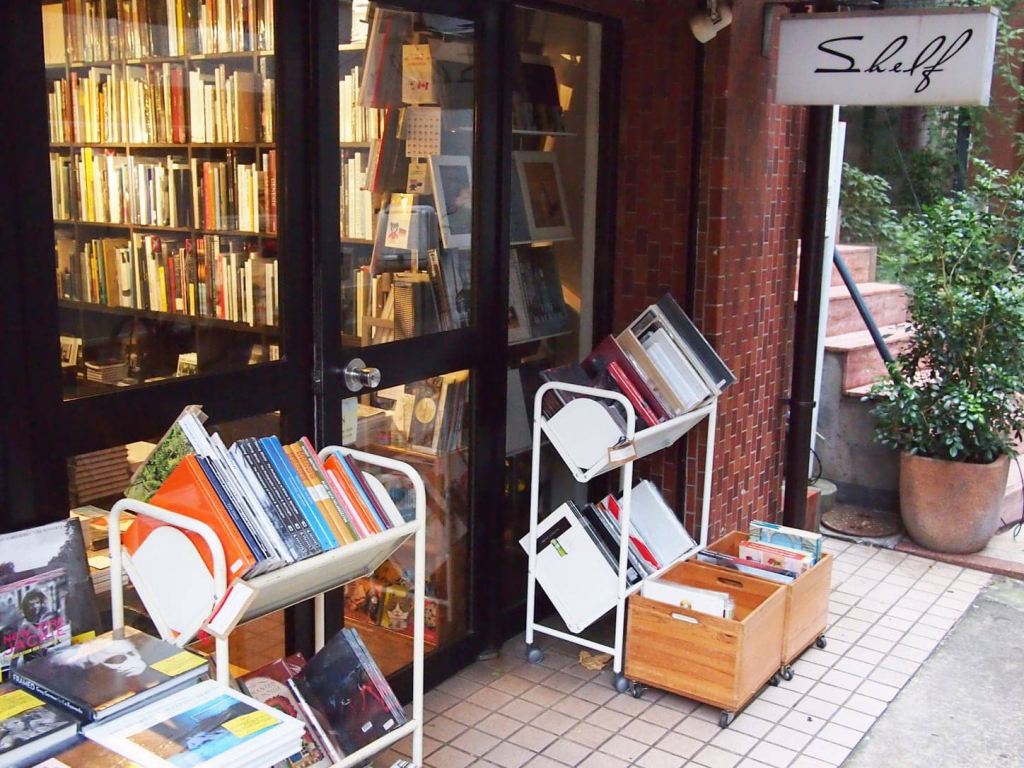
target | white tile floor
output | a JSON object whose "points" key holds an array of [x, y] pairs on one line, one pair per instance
{"points": [[888, 612]]}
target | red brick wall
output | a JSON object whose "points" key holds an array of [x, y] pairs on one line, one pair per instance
{"points": [[751, 174], [1005, 115]]}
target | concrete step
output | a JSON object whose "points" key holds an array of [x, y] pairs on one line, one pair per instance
{"points": [[860, 360], [1014, 497], [861, 260], [887, 303]]}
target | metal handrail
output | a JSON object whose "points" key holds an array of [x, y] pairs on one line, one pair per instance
{"points": [[865, 313]]}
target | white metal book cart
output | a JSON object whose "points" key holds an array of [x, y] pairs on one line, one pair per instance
{"points": [[308, 578], [609, 451]]}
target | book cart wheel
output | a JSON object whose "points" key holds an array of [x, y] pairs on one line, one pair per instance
{"points": [[821, 642], [775, 679], [787, 672], [638, 690], [534, 654], [726, 718], [621, 683]]}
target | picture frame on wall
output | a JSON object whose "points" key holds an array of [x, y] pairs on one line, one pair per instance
{"points": [[543, 196], [451, 177]]}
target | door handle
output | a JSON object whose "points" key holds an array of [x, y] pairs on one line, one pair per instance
{"points": [[358, 375]]}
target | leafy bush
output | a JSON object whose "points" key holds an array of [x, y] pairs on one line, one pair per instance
{"points": [[866, 206], [954, 393]]}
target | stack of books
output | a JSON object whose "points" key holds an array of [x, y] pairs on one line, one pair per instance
{"points": [[106, 371], [772, 552], [98, 474]]}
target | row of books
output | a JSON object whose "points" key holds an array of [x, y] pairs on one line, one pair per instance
{"points": [[357, 219], [661, 362], [391, 606], [270, 504], [225, 108], [98, 30], [536, 303], [771, 551], [578, 551], [228, 195], [356, 123]]}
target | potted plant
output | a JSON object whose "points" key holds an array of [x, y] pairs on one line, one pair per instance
{"points": [[953, 405]]}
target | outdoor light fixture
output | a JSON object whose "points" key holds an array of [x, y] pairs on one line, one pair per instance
{"points": [[706, 22]]}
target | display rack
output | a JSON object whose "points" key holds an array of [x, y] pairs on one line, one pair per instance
{"points": [[635, 445], [309, 578]]}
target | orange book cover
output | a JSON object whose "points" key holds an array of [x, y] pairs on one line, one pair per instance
{"points": [[352, 494], [188, 492], [319, 493], [336, 499]]}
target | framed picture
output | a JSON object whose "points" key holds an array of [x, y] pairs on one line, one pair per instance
{"points": [[543, 196], [451, 176], [69, 346]]}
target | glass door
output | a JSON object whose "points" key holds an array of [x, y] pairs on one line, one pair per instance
{"points": [[401, 326]]}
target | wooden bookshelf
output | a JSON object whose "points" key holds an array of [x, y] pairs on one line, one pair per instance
{"points": [[171, 317]]}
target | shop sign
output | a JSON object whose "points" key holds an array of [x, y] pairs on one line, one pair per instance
{"points": [[907, 58]]}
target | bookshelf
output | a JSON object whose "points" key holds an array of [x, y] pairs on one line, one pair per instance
{"points": [[164, 181], [309, 578]]}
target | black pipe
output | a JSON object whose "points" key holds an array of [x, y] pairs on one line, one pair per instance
{"points": [[808, 306], [865, 313]]}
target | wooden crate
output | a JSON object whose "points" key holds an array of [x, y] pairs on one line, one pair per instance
{"points": [[722, 662], [806, 599]]}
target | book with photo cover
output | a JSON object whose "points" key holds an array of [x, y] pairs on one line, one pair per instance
{"points": [[209, 725], [542, 287], [165, 457], [352, 699], [518, 317], [363, 600], [30, 727], [269, 684], [110, 674], [47, 591], [426, 408], [83, 753]]}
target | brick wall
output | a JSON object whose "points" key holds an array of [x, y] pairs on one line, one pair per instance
{"points": [[748, 221]]}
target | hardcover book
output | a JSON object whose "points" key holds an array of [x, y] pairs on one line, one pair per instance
{"points": [[30, 727], [109, 674], [542, 287], [165, 457]]}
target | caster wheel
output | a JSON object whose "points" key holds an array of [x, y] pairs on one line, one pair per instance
{"points": [[621, 683], [638, 690], [787, 673], [774, 679], [534, 654], [725, 720], [821, 642]]}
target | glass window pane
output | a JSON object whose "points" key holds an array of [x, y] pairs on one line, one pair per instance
{"points": [[426, 425], [406, 108], [163, 174]]}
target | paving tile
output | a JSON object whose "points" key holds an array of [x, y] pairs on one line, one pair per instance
{"points": [[624, 748], [896, 664], [808, 669], [574, 707], [820, 708], [784, 697], [521, 710], [851, 718], [713, 757], [595, 693], [804, 761], [544, 696], [773, 754], [697, 728], [827, 751], [659, 758], [459, 687], [869, 706], [532, 738], [750, 725], [658, 714], [890, 677], [912, 654], [553, 722], [490, 698], [588, 735], [627, 704], [554, 659], [646, 733], [507, 755], [474, 742], [535, 673], [852, 666], [707, 712], [563, 682], [678, 703], [540, 761], [679, 744], [609, 719], [466, 713], [450, 757], [438, 701], [799, 684], [767, 711], [840, 679], [565, 751], [789, 738], [803, 722], [442, 728], [830, 693], [497, 724], [600, 760], [875, 690], [512, 684], [734, 741]]}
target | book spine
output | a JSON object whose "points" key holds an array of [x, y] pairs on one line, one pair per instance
{"points": [[284, 470], [214, 476], [292, 520], [642, 408], [69, 703], [314, 462], [318, 493], [366, 494], [319, 732]]}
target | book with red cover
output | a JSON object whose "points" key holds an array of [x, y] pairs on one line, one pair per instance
{"points": [[637, 390]]}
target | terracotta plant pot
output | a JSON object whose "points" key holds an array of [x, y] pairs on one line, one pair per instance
{"points": [[951, 506]]}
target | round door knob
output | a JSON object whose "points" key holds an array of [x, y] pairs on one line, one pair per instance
{"points": [[358, 375]]}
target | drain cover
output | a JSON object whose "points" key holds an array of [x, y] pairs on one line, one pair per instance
{"points": [[859, 522]]}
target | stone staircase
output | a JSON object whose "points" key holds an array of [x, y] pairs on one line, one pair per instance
{"points": [[864, 472]]}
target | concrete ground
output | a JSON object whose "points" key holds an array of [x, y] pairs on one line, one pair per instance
{"points": [[965, 706]]}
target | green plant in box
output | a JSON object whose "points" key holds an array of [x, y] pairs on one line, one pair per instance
{"points": [[955, 393]]}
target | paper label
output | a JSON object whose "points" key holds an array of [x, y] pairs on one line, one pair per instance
{"points": [[16, 702], [178, 663], [349, 420], [419, 179], [84, 637], [254, 722], [620, 454], [366, 726], [422, 131], [417, 75], [231, 609]]}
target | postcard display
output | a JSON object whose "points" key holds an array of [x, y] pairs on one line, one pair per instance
{"points": [[308, 578]]}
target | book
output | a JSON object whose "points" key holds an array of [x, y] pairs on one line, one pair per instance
{"points": [[793, 538], [713, 602], [110, 674], [657, 524], [299, 495], [29, 726], [748, 567], [165, 456], [716, 371], [427, 404], [794, 560], [47, 592], [609, 361], [518, 317], [269, 685], [208, 725], [542, 289], [83, 753], [343, 686]]}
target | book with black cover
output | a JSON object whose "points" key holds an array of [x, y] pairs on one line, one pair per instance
{"points": [[31, 726], [48, 594], [716, 369], [351, 699], [542, 287], [110, 674], [599, 365]]}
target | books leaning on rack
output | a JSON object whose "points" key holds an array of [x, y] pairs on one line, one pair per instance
{"points": [[578, 551], [211, 276]]}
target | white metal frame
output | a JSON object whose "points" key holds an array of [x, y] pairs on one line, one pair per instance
{"points": [[308, 578], [646, 442]]}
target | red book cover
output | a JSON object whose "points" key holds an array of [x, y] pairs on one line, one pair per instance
{"points": [[177, 105], [272, 201], [609, 351], [612, 506], [631, 392]]}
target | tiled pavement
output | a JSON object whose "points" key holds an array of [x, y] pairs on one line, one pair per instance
{"points": [[888, 612]]}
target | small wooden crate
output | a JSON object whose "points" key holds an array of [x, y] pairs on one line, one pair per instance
{"points": [[806, 599], [722, 662]]}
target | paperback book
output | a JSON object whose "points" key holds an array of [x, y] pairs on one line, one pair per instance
{"points": [[29, 726]]}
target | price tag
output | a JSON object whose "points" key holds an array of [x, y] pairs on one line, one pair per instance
{"points": [[229, 612], [178, 663], [16, 702], [621, 453], [254, 722]]}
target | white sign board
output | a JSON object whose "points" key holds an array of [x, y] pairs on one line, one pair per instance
{"points": [[908, 58]]}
